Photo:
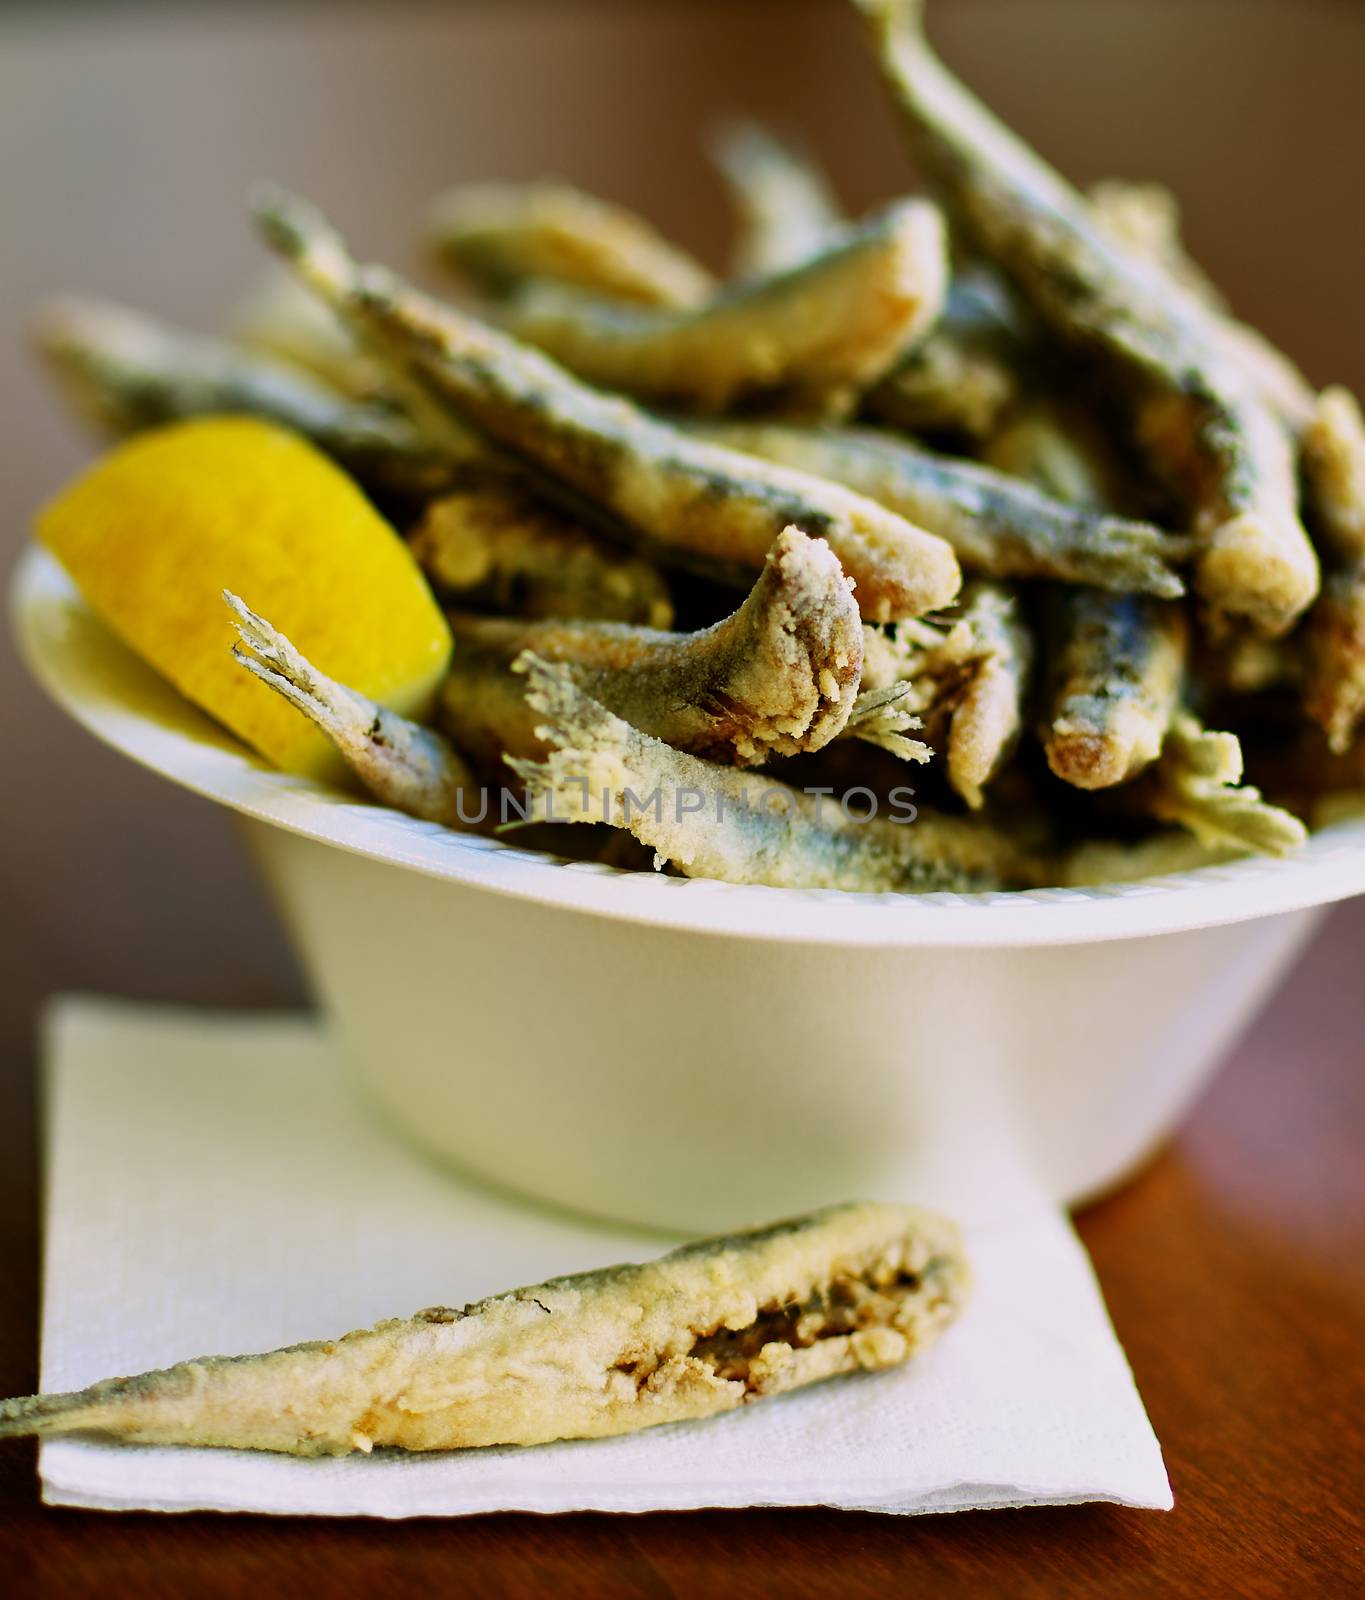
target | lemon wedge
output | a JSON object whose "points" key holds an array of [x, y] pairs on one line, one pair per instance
{"points": [[156, 529]]}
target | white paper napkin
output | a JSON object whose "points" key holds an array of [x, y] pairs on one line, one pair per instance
{"points": [[215, 1186]]}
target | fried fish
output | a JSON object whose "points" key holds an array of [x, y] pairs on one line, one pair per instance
{"points": [[702, 1331]]}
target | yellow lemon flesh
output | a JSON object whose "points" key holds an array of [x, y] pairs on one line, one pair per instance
{"points": [[156, 530]]}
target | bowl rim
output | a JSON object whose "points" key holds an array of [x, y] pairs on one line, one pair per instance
{"points": [[105, 688]]}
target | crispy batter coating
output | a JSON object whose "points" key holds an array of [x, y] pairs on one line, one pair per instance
{"points": [[988, 717], [1145, 218], [1095, 862], [966, 684], [1059, 450], [960, 377], [503, 235], [1334, 656], [685, 501], [966, 374], [1334, 467], [1198, 419], [914, 675], [1197, 784], [1117, 665], [491, 544], [778, 677], [1116, 661], [1334, 635], [704, 1330], [803, 339], [786, 207], [715, 822], [1238, 470], [280, 319], [998, 525], [951, 384], [401, 763], [125, 372]]}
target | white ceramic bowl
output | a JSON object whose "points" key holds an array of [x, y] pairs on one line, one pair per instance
{"points": [[683, 1053]]}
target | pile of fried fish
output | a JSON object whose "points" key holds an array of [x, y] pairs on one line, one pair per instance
{"points": [[1032, 528]]}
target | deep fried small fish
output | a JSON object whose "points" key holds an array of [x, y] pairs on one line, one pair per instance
{"points": [[1116, 661], [1334, 466], [1116, 669], [1334, 656], [491, 544], [701, 1331], [123, 372], [280, 319], [804, 339], [504, 235], [1197, 418], [401, 763], [1096, 862], [787, 209], [959, 377], [1334, 634], [1197, 783], [740, 827], [965, 684], [998, 525], [1060, 450], [967, 372], [777, 677], [1145, 217], [684, 501], [988, 716]]}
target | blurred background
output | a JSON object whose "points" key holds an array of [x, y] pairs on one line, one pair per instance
{"points": [[129, 135]]}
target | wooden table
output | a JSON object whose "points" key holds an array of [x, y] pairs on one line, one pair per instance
{"points": [[1235, 1267]]}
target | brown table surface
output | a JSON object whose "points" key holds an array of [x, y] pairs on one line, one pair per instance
{"points": [[1235, 1266]]}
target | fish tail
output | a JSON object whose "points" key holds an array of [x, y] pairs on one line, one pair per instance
{"points": [[43, 1413]]}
